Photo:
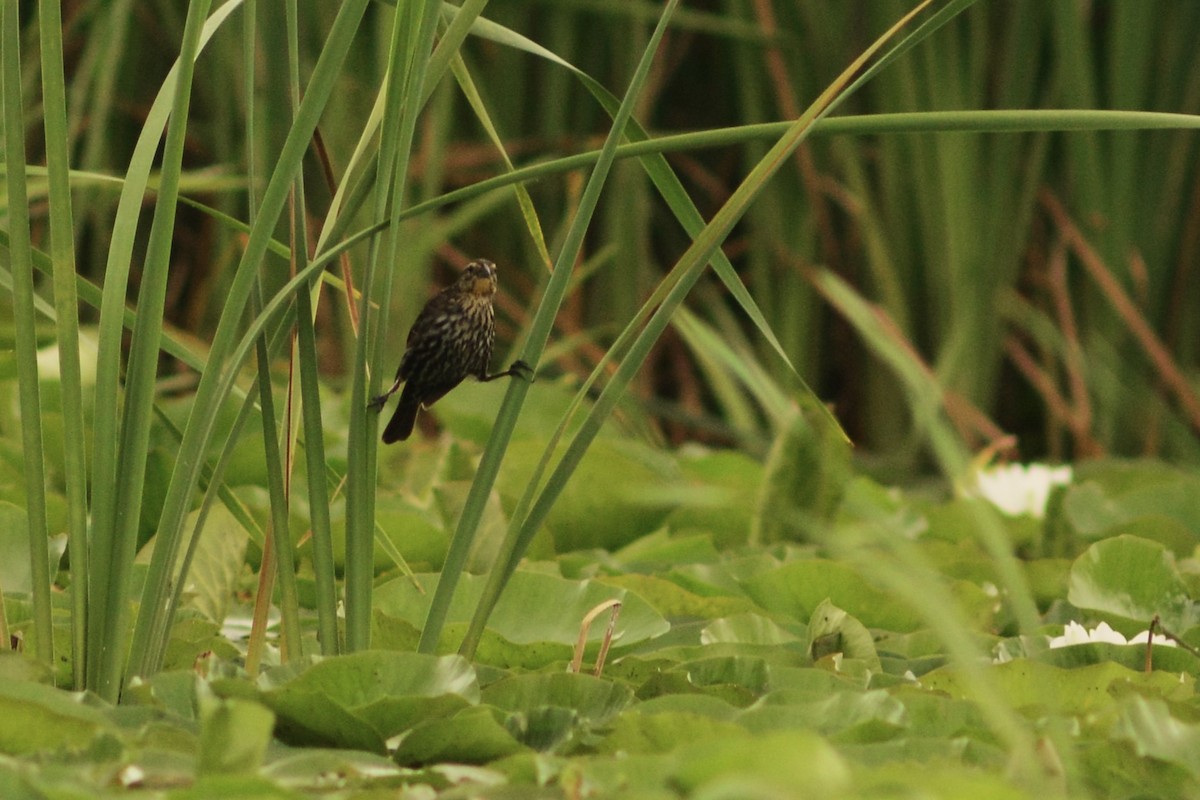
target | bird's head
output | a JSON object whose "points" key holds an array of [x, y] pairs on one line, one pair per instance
{"points": [[479, 278]]}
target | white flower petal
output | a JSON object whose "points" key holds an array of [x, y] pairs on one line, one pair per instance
{"points": [[1017, 489]]}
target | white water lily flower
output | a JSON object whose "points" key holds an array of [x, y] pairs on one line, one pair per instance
{"points": [[1016, 489], [1074, 633], [1158, 639]]}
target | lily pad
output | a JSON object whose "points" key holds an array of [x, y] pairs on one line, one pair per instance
{"points": [[1133, 580], [534, 608], [363, 699], [797, 588], [474, 736], [1148, 725], [778, 764], [35, 717]]}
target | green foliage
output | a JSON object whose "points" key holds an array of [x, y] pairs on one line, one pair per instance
{"points": [[783, 614], [732, 672]]}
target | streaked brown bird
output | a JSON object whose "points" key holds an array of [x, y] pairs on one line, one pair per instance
{"points": [[451, 339]]}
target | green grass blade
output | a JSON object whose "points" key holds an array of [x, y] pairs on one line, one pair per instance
{"points": [[318, 489], [213, 386], [66, 304], [412, 43], [535, 344], [310, 396], [20, 254], [528, 212], [143, 363], [925, 397], [279, 531], [689, 267], [113, 315]]}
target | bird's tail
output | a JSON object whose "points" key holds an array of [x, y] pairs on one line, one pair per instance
{"points": [[400, 426]]}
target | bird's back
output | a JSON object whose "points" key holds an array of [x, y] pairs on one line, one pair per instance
{"points": [[451, 339]]}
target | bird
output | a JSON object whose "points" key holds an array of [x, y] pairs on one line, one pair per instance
{"points": [[450, 340]]}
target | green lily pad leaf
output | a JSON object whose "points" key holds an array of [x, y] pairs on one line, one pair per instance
{"points": [[1090, 511], [361, 700], [727, 516], [746, 628], [14, 550], [1132, 656], [1113, 768], [847, 716], [720, 580], [663, 731], [805, 476], [192, 636], [173, 692], [415, 533], [1133, 580], [736, 680], [17, 666], [233, 787], [662, 550], [1154, 733], [217, 561], [34, 717], [958, 521], [535, 607], [947, 769], [496, 651], [936, 716], [797, 588], [1109, 495], [865, 500], [672, 600], [418, 538], [700, 705], [450, 497], [469, 412], [591, 698], [1048, 579], [622, 490], [234, 734], [545, 728], [309, 767], [831, 630], [1038, 686], [810, 681], [1163, 513], [745, 672], [779, 764], [474, 736]]}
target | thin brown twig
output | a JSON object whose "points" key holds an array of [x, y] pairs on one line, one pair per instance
{"points": [[1073, 361], [1160, 358], [968, 419], [1060, 408], [1149, 664], [344, 258], [1041, 379], [785, 96], [1156, 623], [585, 625]]}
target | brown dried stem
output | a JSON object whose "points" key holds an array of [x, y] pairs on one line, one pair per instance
{"points": [[1169, 373]]}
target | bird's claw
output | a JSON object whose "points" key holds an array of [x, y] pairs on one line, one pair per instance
{"points": [[522, 370], [376, 403]]}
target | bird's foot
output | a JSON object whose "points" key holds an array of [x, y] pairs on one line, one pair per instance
{"points": [[521, 370], [376, 403]]}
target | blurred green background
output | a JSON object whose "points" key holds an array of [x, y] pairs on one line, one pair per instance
{"points": [[995, 256]]}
